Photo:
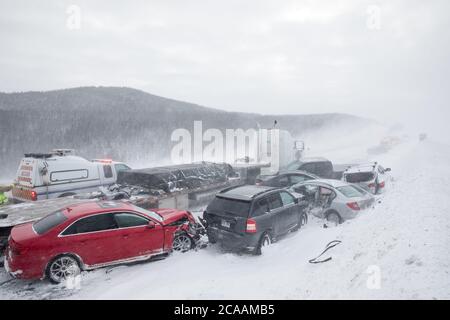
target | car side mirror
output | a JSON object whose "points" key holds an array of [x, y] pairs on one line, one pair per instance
{"points": [[151, 225], [296, 201], [387, 169]]}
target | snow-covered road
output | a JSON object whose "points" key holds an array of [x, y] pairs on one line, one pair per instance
{"points": [[399, 250]]}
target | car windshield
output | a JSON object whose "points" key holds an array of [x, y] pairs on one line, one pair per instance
{"points": [[148, 213], [49, 222], [359, 177], [350, 191], [230, 206]]}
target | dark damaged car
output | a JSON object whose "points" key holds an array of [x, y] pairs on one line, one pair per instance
{"points": [[248, 218]]}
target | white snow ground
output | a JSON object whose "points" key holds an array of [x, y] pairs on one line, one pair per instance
{"points": [[405, 240]]}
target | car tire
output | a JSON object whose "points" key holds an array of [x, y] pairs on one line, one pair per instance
{"points": [[302, 220], [182, 242], [211, 239], [333, 218], [63, 267], [264, 241]]}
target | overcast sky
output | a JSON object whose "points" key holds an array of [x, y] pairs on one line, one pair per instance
{"points": [[382, 59]]}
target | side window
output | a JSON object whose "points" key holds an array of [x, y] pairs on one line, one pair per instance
{"points": [[126, 220], [296, 178], [69, 175], [99, 222], [275, 201], [301, 190], [282, 181], [286, 198], [121, 167], [324, 168], [260, 207], [309, 167], [380, 169], [326, 195], [107, 170]]}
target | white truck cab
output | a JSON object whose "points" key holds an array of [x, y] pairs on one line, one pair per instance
{"points": [[60, 173]]}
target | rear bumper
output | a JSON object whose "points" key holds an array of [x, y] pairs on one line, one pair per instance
{"points": [[348, 214], [233, 241], [21, 268], [8, 268]]}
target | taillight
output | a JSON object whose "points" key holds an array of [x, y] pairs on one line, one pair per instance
{"points": [[251, 226], [372, 185], [381, 185], [353, 206], [258, 183], [33, 195]]}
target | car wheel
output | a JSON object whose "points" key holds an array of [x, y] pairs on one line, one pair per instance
{"points": [[264, 242], [333, 218], [63, 268], [302, 220], [182, 243]]}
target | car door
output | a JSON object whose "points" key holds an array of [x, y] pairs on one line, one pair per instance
{"points": [[261, 214], [324, 198], [95, 239], [309, 191], [381, 176], [279, 215], [290, 209], [138, 237]]}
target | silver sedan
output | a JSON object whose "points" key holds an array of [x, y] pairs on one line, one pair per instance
{"points": [[333, 200]]}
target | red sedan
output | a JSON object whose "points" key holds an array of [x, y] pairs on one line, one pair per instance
{"points": [[92, 235]]}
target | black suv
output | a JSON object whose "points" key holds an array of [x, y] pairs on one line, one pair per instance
{"points": [[250, 217]]}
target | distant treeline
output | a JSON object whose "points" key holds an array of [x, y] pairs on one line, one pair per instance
{"points": [[122, 123]]}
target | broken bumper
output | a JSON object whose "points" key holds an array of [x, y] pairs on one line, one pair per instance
{"points": [[232, 241]]}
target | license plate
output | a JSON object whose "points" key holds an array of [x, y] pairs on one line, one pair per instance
{"points": [[225, 224]]}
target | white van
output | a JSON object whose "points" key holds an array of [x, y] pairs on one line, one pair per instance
{"points": [[60, 174]]}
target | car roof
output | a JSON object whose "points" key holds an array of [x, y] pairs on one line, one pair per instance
{"points": [[89, 207], [285, 172], [306, 173], [245, 193], [326, 182]]}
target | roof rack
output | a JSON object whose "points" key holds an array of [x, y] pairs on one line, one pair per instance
{"points": [[63, 152]]}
